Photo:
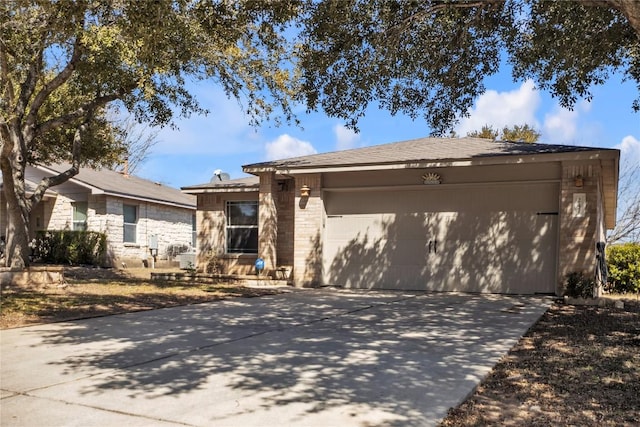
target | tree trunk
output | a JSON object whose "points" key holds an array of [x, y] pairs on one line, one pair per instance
{"points": [[17, 247], [13, 165]]}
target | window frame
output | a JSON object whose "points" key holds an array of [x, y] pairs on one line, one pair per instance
{"points": [[194, 230], [79, 225], [133, 226], [229, 227]]}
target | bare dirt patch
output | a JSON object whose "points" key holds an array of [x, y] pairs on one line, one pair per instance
{"points": [[576, 366], [92, 292]]}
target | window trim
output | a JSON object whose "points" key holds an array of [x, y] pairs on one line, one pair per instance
{"points": [[135, 225], [74, 222], [194, 230], [228, 226]]}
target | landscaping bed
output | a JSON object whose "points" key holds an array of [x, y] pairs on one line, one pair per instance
{"points": [[577, 366]]}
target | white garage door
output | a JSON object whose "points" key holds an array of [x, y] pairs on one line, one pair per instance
{"points": [[481, 238]]}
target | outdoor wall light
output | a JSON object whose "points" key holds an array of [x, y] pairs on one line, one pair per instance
{"points": [[579, 181], [305, 191]]}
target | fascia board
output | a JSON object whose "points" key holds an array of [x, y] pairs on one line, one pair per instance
{"points": [[476, 161], [220, 190], [73, 180], [150, 200]]}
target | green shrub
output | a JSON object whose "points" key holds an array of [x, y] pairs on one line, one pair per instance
{"points": [[577, 285], [623, 263], [70, 247]]}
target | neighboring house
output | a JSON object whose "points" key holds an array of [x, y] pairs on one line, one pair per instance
{"points": [[131, 211], [434, 214]]}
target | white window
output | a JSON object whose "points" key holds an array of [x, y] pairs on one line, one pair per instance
{"points": [[242, 227], [130, 214], [79, 216]]}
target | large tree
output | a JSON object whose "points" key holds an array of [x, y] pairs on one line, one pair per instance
{"points": [[63, 62]]}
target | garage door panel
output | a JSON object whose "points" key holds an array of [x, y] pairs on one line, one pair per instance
{"points": [[407, 240]]}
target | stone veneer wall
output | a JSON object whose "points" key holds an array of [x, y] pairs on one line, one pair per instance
{"points": [[578, 235], [210, 220], [308, 220], [211, 223], [172, 225], [268, 222], [286, 201]]}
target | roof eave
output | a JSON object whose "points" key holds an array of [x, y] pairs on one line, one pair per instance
{"points": [[610, 191], [151, 200], [229, 189], [595, 154], [73, 180], [257, 170]]}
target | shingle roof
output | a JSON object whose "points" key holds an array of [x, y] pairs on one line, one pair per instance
{"points": [[118, 184], [416, 150]]}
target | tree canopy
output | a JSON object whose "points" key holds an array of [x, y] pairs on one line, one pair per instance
{"points": [[63, 64], [429, 58]]}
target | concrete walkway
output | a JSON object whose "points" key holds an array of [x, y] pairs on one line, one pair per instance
{"points": [[306, 358]]}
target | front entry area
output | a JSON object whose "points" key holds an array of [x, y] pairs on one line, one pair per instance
{"points": [[493, 237]]}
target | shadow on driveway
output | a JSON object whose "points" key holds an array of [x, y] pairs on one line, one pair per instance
{"points": [[316, 357]]}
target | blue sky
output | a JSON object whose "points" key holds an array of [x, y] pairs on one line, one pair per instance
{"points": [[224, 140]]}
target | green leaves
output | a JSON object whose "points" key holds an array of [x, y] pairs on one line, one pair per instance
{"points": [[517, 133], [418, 58], [623, 263], [566, 47]]}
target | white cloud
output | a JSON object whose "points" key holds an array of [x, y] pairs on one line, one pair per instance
{"points": [[345, 137], [561, 125], [500, 109], [630, 150], [287, 146]]}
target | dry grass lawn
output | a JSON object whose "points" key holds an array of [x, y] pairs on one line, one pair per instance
{"points": [[92, 292]]}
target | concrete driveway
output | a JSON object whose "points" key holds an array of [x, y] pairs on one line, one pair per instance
{"points": [[305, 358]]}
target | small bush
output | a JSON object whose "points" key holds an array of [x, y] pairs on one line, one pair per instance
{"points": [[577, 285], [623, 263], [70, 247]]}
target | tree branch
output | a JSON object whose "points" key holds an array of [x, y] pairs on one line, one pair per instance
{"points": [[66, 119], [54, 84], [29, 85], [52, 181]]}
